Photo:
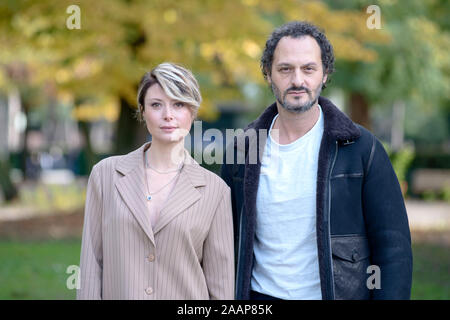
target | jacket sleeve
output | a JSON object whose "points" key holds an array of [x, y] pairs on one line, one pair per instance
{"points": [[224, 172], [387, 227], [226, 167], [218, 252], [91, 259], [227, 176]]}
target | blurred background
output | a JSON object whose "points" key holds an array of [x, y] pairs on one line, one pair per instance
{"points": [[68, 81]]}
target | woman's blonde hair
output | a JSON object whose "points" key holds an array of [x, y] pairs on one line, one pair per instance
{"points": [[177, 82]]}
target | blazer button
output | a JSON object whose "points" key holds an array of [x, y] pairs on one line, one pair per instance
{"points": [[149, 290], [151, 257]]}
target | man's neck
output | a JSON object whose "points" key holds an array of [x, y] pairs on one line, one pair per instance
{"points": [[292, 126]]}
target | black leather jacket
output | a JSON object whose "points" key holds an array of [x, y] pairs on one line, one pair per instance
{"points": [[361, 216]]}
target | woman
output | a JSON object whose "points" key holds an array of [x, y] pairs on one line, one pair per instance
{"points": [[157, 225]]}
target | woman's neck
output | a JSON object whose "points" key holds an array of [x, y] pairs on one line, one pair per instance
{"points": [[165, 156]]}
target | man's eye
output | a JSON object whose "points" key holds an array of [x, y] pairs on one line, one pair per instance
{"points": [[284, 69]]}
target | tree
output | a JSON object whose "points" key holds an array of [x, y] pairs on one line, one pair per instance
{"points": [[119, 40], [412, 68]]}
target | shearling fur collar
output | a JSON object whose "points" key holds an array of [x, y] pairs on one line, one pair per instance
{"points": [[336, 123]]}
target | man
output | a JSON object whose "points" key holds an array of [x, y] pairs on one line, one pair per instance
{"points": [[319, 214]]}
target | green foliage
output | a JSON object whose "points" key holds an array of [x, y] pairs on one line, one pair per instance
{"points": [[441, 195], [414, 66], [52, 198], [429, 195], [446, 194], [401, 160], [427, 125]]}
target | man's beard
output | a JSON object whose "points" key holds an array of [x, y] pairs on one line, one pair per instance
{"points": [[298, 107]]}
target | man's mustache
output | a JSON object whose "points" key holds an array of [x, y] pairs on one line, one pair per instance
{"points": [[298, 89]]}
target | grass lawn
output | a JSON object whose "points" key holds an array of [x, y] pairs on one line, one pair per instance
{"points": [[37, 270], [431, 272]]}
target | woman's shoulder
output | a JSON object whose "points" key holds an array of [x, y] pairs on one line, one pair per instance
{"points": [[107, 164]]}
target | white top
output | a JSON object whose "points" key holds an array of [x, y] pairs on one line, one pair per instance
{"points": [[286, 260]]}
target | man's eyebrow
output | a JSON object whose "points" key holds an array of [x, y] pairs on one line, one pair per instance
{"points": [[286, 64], [283, 64], [310, 64]]}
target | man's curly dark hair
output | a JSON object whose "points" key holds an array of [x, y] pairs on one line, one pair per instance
{"points": [[297, 29]]}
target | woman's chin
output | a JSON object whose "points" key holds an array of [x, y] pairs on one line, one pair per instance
{"points": [[168, 138]]}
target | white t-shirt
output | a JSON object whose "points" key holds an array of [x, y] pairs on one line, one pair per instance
{"points": [[286, 262]]}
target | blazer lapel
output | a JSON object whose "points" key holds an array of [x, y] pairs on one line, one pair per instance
{"points": [[132, 188], [184, 194]]}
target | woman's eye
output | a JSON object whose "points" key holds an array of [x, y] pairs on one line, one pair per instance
{"points": [[179, 104], [155, 104]]}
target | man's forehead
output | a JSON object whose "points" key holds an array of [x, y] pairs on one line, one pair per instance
{"points": [[290, 50]]}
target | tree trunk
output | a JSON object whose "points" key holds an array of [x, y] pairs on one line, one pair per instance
{"points": [[7, 188], [359, 109], [25, 154], [90, 158], [130, 134]]}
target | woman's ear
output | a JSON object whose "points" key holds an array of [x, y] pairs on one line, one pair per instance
{"points": [[141, 113], [193, 114]]}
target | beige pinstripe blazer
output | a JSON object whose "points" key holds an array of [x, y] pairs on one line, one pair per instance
{"points": [[188, 254]]}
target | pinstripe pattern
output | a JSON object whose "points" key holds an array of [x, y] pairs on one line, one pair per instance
{"points": [[187, 255]]}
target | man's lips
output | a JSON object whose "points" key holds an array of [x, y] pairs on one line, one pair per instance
{"points": [[296, 92]]}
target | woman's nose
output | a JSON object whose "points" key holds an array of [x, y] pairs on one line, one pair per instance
{"points": [[167, 113]]}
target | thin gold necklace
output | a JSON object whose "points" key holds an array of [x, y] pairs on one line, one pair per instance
{"points": [[162, 172], [150, 194]]}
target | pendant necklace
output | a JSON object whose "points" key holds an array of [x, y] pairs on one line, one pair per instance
{"points": [[150, 194]]}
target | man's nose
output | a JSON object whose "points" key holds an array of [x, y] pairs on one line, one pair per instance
{"points": [[297, 78]]}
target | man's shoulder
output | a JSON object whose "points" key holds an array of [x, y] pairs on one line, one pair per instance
{"points": [[366, 135]]}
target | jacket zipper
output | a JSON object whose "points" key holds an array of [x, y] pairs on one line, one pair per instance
{"points": [[328, 222]]}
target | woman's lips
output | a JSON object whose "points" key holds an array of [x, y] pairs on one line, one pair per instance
{"points": [[168, 129]]}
